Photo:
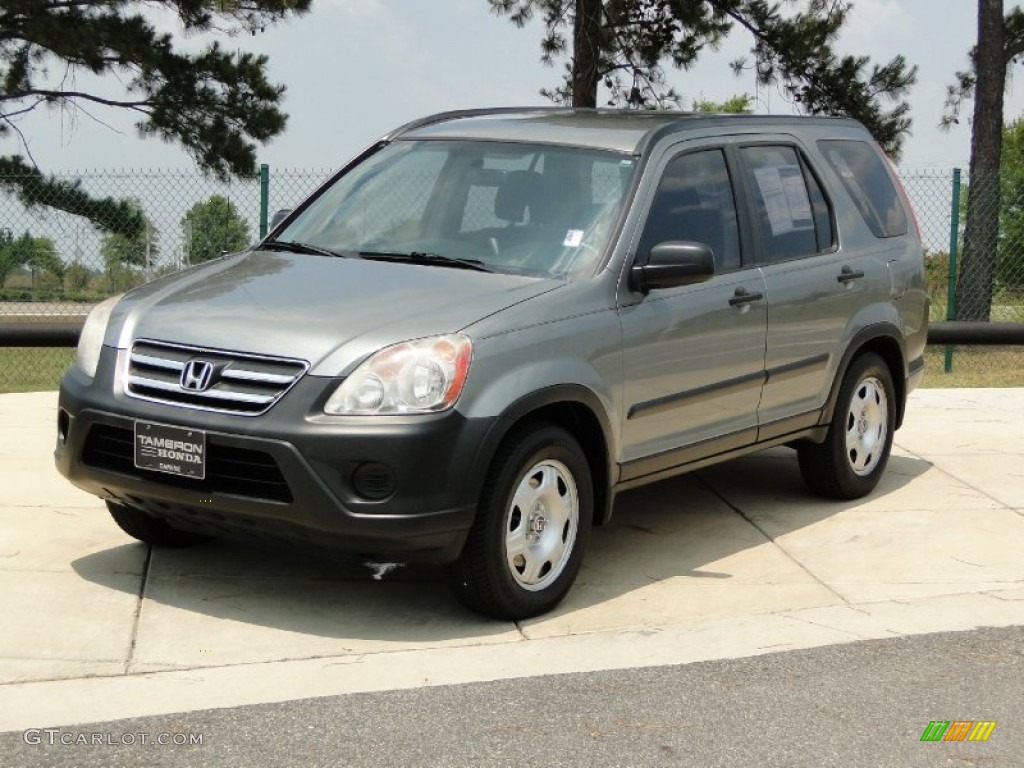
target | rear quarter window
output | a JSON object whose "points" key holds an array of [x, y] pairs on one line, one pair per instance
{"points": [[865, 177]]}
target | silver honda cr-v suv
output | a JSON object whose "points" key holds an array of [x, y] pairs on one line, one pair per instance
{"points": [[463, 345]]}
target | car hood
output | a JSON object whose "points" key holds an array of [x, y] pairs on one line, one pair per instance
{"points": [[331, 312]]}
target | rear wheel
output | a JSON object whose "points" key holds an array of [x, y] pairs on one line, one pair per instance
{"points": [[151, 530], [853, 457], [526, 545]]}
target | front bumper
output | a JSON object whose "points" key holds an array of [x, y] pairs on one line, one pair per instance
{"points": [[288, 474]]}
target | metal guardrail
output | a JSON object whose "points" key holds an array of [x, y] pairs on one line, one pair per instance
{"points": [[971, 333], [39, 334], [951, 332]]}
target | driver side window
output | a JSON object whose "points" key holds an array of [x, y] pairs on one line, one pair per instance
{"points": [[695, 203]]}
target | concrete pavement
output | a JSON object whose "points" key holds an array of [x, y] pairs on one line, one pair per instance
{"points": [[732, 561]]}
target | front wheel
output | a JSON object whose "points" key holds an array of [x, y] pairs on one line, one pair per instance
{"points": [[526, 545], [851, 461]]}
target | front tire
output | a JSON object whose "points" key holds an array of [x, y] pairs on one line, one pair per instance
{"points": [[151, 530], [532, 526], [849, 464]]}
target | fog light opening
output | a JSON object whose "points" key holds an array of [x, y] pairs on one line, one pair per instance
{"points": [[373, 481]]}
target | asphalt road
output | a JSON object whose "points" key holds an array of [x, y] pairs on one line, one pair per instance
{"points": [[863, 704]]}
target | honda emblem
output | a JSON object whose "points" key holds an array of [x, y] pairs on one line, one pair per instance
{"points": [[197, 375]]}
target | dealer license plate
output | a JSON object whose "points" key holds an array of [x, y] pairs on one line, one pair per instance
{"points": [[174, 450]]}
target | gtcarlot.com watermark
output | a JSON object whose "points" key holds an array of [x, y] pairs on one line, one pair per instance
{"points": [[53, 737]]}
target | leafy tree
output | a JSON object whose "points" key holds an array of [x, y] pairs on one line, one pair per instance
{"points": [[1000, 44], [126, 259], [213, 226], [37, 254], [8, 255], [1009, 268], [42, 256], [741, 104], [76, 277], [215, 104], [116, 249], [623, 44]]}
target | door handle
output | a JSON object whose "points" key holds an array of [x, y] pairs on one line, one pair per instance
{"points": [[846, 275], [743, 296]]}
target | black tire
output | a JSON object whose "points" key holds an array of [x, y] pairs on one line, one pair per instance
{"points": [[866, 411], [151, 530], [539, 459]]}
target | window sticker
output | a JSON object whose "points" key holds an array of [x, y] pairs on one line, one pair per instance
{"points": [[573, 238], [785, 198]]}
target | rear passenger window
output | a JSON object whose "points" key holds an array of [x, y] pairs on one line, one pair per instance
{"points": [[791, 209], [694, 202], [865, 177]]}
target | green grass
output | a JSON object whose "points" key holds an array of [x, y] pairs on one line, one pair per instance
{"points": [[29, 369], [975, 366]]}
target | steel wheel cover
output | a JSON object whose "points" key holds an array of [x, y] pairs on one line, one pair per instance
{"points": [[541, 525], [867, 426]]}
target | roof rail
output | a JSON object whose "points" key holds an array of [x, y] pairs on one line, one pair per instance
{"points": [[456, 114], [675, 119], [770, 119]]}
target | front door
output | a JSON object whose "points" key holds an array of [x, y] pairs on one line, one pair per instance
{"points": [[693, 356]]}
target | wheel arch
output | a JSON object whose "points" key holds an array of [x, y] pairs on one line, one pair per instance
{"points": [[885, 340], [579, 412]]}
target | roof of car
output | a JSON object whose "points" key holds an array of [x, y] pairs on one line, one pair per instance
{"points": [[620, 130]]}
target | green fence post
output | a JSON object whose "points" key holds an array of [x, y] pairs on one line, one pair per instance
{"points": [[264, 198], [954, 237]]}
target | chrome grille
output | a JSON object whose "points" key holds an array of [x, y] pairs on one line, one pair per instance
{"points": [[242, 384]]}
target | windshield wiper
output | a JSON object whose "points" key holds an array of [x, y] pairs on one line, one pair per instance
{"points": [[421, 257], [294, 247]]}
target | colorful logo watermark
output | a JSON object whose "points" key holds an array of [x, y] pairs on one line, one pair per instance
{"points": [[958, 730]]}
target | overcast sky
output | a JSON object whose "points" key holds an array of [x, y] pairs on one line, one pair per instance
{"points": [[354, 69]]}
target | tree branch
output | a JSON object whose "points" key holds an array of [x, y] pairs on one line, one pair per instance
{"points": [[68, 95], [24, 141], [6, 115]]}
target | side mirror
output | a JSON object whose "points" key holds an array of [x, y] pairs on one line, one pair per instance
{"points": [[278, 217], [673, 264]]}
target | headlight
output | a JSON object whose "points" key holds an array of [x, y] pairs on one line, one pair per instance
{"points": [[420, 376], [91, 340]]}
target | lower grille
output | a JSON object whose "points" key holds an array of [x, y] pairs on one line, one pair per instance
{"points": [[237, 471]]}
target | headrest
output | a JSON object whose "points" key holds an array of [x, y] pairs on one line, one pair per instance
{"points": [[518, 191]]}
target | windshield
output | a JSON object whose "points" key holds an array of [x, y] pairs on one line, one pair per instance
{"points": [[521, 208]]}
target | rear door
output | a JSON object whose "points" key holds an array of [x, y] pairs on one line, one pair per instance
{"points": [[814, 287]]}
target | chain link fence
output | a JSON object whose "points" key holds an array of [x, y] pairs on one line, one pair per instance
{"points": [[60, 263], [974, 267], [54, 266]]}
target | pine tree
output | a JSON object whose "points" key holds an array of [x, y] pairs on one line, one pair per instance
{"points": [[1000, 45], [624, 45], [215, 104]]}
